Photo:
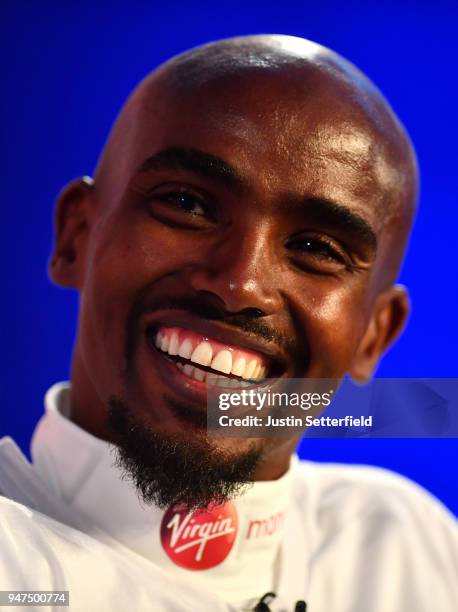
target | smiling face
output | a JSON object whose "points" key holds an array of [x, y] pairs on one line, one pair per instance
{"points": [[249, 226]]}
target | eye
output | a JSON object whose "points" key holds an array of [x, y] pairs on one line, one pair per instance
{"points": [[180, 207], [183, 200], [317, 247], [319, 253]]}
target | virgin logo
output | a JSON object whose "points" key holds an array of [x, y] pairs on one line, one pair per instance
{"points": [[199, 540]]}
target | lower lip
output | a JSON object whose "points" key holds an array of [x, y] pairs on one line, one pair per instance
{"points": [[189, 388]]}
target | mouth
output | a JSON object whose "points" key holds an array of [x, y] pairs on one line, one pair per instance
{"points": [[209, 361]]}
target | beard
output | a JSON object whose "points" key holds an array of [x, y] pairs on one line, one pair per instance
{"points": [[173, 469]]}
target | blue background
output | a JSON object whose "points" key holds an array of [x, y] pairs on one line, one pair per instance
{"points": [[66, 69]]}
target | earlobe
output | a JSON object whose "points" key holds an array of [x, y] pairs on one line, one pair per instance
{"points": [[389, 316], [71, 223]]}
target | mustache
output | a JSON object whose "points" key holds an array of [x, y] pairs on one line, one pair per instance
{"points": [[246, 320]]}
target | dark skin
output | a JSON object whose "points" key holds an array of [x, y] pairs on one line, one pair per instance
{"points": [[286, 193]]}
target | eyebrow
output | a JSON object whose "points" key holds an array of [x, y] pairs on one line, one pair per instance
{"points": [[198, 162], [320, 210], [328, 212]]}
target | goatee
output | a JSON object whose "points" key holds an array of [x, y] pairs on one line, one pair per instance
{"points": [[175, 469]]}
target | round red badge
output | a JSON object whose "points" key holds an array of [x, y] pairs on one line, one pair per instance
{"points": [[199, 540]]}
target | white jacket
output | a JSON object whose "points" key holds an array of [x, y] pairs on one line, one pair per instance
{"points": [[354, 539]]}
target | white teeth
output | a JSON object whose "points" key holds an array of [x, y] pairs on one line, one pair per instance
{"points": [[199, 374], [188, 369], [185, 349], [217, 381], [250, 369], [173, 346], [222, 361], [259, 372], [202, 354], [239, 366], [191, 371], [164, 344]]}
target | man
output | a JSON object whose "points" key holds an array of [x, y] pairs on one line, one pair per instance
{"points": [[247, 219]]}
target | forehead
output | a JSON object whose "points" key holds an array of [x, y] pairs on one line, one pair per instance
{"points": [[283, 136]]}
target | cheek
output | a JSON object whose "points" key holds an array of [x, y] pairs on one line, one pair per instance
{"points": [[124, 261], [126, 258], [333, 320]]}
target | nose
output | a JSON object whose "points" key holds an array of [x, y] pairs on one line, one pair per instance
{"points": [[241, 272]]}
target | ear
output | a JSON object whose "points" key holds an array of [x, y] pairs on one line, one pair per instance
{"points": [[71, 226], [388, 319]]}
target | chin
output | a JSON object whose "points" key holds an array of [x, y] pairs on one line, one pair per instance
{"points": [[180, 465]]}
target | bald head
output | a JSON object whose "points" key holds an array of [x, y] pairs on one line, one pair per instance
{"points": [[292, 83]]}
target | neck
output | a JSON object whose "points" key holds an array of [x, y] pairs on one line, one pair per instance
{"points": [[276, 461]]}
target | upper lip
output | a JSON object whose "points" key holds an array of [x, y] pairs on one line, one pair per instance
{"points": [[221, 332]]}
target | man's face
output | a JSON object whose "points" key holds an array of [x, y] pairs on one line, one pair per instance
{"points": [[238, 217]]}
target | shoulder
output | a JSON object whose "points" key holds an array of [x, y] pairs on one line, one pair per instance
{"points": [[341, 491], [26, 529], [383, 528], [28, 534], [370, 507], [25, 536], [39, 553], [11, 511]]}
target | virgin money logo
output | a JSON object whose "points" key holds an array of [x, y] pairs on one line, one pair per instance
{"points": [[199, 540]]}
